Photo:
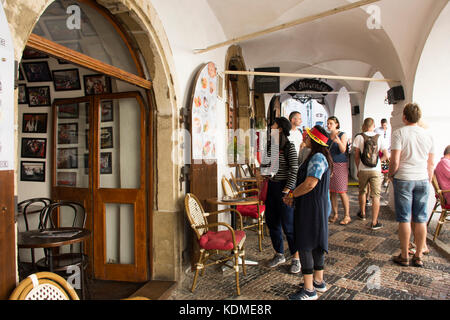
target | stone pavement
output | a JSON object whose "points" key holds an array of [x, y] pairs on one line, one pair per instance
{"points": [[358, 267]]}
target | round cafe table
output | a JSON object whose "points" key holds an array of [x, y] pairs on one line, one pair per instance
{"points": [[233, 203]]}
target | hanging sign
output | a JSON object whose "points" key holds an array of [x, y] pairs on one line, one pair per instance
{"points": [[6, 95], [204, 114]]}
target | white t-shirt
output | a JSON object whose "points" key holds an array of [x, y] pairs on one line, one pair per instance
{"points": [[296, 138], [386, 135], [415, 144], [359, 143]]}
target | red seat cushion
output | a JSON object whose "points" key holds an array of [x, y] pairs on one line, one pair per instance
{"points": [[251, 210], [447, 206], [220, 240]]}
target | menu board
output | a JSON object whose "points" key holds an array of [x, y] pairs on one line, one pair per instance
{"points": [[204, 114], [6, 95]]}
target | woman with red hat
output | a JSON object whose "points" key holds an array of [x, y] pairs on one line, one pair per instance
{"points": [[312, 207]]}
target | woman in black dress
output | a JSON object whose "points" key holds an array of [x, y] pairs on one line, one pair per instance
{"points": [[312, 208]]}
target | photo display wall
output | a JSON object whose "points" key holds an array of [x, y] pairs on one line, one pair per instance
{"points": [[41, 79]]}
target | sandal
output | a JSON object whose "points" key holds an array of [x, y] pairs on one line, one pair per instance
{"points": [[345, 221], [333, 220], [417, 262], [401, 261]]}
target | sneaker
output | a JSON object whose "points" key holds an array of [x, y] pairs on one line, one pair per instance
{"points": [[376, 226], [277, 259], [303, 295], [321, 287], [361, 216], [295, 266]]}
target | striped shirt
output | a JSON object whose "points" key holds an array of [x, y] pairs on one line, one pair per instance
{"points": [[282, 170]]}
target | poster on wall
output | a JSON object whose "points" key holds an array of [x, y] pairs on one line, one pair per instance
{"points": [[204, 114], [6, 95]]}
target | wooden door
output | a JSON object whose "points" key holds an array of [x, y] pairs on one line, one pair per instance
{"points": [[7, 235], [109, 176]]}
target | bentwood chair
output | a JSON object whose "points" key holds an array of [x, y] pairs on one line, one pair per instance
{"points": [[227, 244], [26, 208], [252, 211], [66, 214], [44, 286], [440, 202]]}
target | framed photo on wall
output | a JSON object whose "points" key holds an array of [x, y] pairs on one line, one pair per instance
{"points": [[97, 84], [23, 94], [105, 163], [34, 148], [39, 96], [68, 111], [67, 158], [66, 179], [67, 133], [37, 71], [106, 138], [32, 171], [29, 53], [68, 79], [107, 111], [34, 123]]}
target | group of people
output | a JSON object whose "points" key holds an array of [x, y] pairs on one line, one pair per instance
{"points": [[312, 169]]}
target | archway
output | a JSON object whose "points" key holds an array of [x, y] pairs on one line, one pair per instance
{"points": [[342, 111], [375, 106]]}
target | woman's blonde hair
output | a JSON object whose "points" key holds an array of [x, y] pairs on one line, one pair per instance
{"points": [[368, 122]]}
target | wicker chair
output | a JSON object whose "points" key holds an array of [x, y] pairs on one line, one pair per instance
{"points": [[255, 211], [44, 286], [212, 243], [440, 202]]}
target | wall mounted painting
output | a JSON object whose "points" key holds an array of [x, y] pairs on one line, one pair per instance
{"points": [[97, 84], [68, 79], [105, 163], [39, 96], [68, 111], [67, 158], [106, 138], [32, 171], [23, 94], [34, 148], [66, 179], [34, 123], [68, 133], [37, 71]]}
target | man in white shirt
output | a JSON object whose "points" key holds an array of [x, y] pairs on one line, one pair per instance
{"points": [[411, 171], [369, 175], [295, 134], [385, 132]]}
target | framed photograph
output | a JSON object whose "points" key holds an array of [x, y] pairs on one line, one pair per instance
{"points": [[68, 79], [66, 179], [34, 148], [32, 171], [34, 123], [107, 111], [23, 94], [68, 111], [105, 163], [29, 53], [37, 71], [106, 138], [97, 84], [59, 32], [67, 133], [67, 158], [39, 96]]}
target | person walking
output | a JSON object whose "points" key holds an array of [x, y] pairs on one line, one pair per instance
{"points": [[339, 178], [367, 147], [312, 206], [279, 216], [411, 171], [295, 134]]}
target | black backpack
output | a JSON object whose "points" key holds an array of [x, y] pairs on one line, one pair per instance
{"points": [[369, 155]]}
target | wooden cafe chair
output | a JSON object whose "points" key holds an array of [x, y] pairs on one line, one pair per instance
{"points": [[44, 286], [440, 202], [215, 243], [253, 211]]}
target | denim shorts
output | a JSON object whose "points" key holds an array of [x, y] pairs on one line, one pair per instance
{"points": [[411, 198]]}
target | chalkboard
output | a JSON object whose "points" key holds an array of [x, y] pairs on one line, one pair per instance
{"points": [[267, 84]]}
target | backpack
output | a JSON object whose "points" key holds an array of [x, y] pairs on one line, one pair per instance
{"points": [[369, 155]]}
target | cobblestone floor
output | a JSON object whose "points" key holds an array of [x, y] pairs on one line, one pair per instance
{"points": [[357, 258]]}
